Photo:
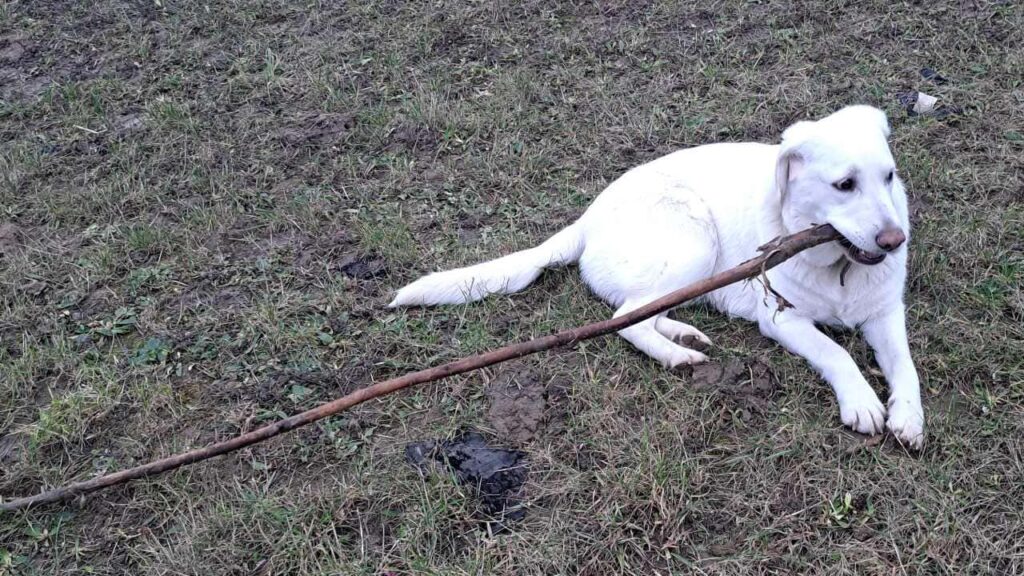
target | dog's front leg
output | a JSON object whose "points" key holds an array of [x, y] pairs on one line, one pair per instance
{"points": [[887, 335], [859, 406]]}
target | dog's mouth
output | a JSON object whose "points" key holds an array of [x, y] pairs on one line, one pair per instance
{"points": [[861, 256]]}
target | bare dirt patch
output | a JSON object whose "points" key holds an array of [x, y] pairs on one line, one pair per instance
{"points": [[18, 78], [316, 129], [413, 137], [10, 238], [747, 384], [524, 404], [13, 48], [364, 267], [12, 446]]}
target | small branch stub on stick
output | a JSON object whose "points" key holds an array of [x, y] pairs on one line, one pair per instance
{"points": [[773, 254]]}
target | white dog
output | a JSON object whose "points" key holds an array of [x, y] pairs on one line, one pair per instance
{"points": [[688, 215]]}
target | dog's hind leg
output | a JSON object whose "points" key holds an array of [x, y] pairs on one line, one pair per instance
{"points": [[646, 337], [657, 238]]}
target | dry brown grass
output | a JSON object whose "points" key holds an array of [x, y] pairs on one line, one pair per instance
{"points": [[205, 205]]}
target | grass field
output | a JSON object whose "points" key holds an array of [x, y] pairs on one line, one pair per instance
{"points": [[205, 206]]}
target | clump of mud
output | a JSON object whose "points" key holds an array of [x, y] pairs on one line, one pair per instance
{"points": [[523, 404], [748, 386], [365, 268], [316, 129], [496, 473]]}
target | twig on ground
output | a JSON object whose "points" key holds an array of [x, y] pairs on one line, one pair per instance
{"points": [[774, 253]]}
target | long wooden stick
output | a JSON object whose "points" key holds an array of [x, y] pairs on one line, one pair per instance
{"points": [[773, 254]]}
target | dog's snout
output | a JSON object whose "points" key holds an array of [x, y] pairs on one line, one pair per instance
{"points": [[890, 239]]}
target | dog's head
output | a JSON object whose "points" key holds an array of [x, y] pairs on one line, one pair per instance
{"points": [[839, 171]]}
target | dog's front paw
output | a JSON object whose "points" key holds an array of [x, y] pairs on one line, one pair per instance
{"points": [[863, 411], [906, 422], [684, 357]]}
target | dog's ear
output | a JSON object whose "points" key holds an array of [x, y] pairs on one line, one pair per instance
{"points": [[787, 168], [792, 155], [871, 115], [866, 115], [883, 122]]}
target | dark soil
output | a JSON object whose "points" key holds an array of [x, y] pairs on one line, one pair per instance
{"points": [[497, 474]]}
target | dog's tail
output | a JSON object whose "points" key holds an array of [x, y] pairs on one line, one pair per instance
{"points": [[504, 275]]}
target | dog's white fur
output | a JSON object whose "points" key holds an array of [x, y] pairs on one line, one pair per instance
{"points": [[702, 210]]}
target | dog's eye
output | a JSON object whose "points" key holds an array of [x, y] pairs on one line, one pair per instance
{"points": [[845, 185], [888, 178]]}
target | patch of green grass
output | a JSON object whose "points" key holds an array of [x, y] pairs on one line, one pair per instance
{"points": [[171, 115], [67, 416], [385, 231], [147, 277]]}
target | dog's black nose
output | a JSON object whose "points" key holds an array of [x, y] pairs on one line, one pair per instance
{"points": [[890, 239]]}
